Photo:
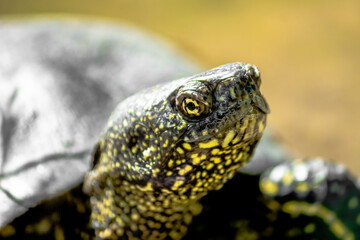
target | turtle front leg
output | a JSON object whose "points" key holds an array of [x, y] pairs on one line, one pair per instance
{"points": [[321, 196]]}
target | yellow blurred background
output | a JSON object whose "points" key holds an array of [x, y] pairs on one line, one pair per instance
{"points": [[308, 53]]}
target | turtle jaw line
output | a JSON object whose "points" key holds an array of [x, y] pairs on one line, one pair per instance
{"points": [[234, 120], [231, 121]]}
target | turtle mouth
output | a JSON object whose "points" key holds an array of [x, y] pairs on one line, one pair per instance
{"points": [[240, 128], [235, 119], [243, 123]]}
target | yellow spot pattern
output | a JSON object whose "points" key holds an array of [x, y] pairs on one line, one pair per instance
{"points": [[268, 187], [288, 178], [171, 159], [210, 144], [329, 217], [230, 135]]}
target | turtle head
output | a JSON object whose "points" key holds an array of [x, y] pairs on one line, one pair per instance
{"points": [[187, 137]]}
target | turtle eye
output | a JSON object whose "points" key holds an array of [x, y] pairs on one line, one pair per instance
{"points": [[192, 107], [194, 100]]}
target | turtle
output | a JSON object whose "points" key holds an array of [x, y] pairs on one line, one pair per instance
{"points": [[166, 166]]}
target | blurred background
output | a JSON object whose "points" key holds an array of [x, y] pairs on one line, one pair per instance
{"points": [[307, 51]]}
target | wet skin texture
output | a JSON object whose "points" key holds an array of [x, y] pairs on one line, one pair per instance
{"points": [[167, 149]]}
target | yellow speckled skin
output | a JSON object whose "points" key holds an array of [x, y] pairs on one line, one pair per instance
{"points": [[164, 152], [167, 147]]}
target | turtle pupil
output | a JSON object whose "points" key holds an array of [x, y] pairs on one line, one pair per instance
{"points": [[191, 106]]}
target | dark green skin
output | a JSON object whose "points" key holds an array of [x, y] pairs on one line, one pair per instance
{"points": [[328, 202]]}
